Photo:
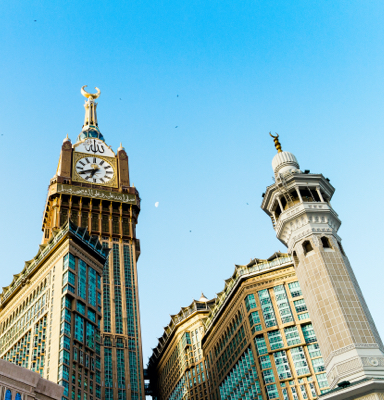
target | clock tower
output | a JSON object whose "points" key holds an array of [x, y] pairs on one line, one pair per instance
{"points": [[92, 188]]}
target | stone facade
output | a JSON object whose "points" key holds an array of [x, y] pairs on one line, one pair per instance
{"points": [[304, 220], [17, 383]]}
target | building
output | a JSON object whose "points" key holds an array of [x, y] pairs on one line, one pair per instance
{"points": [[17, 383], [177, 368], [259, 342], [50, 314], [91, 187], [304, 220]]}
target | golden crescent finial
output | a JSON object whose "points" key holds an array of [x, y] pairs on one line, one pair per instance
{"points": [[90, 95], [277, 143]]}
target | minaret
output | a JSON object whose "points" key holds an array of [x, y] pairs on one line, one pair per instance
{"points": [[304, 220]]}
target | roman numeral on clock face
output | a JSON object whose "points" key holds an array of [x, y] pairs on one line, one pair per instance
{"points": [[82, 163], [87, 160], [102, 180], [108, 166], [81, 168], [108, 172], [101, 162], [94, 160]]}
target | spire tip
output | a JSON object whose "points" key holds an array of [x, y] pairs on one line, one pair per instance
{"points": [[277, 143]]}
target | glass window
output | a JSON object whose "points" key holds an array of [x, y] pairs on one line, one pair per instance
{"points": [[318, 364], [314, 350], [309, 333], [18, 396], [282, 365], [261, 345], [250, 302], [265, 362], [294, 288], [254, 318], [267, 308], [322, 380], [275, 340], [292, 335], [79, 328], [300, 305], [299, 361], [82, 280], [283, 304], [80, 307], [272, 392], [91, 315], [92, 286], [8, 395]]}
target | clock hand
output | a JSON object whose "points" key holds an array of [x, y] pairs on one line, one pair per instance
{"points": [[94, 172], [86, 171]]}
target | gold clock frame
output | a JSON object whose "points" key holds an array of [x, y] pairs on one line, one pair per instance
{"points": [[77, 178]]}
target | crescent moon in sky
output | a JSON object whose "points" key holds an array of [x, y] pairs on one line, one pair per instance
{"points": [[90, 95]]}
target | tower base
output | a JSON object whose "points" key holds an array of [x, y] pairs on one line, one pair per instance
{"points": [[365, 389]]}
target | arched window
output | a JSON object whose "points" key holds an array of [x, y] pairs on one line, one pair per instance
{"points": [[325, 242], [307, 246], [18, 396], [8, 395]]}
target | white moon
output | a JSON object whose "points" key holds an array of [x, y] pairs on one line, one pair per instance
{"points": [[157, 204]]}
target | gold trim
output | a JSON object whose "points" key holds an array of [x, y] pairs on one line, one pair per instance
{"points": [[77, 178]]}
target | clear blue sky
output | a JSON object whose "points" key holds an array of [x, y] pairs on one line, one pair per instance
{"points": [[310, 70]]}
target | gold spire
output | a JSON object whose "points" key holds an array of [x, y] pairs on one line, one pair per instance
{"points": [[90, 107], [277, 143]]}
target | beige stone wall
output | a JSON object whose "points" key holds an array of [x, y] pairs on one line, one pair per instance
{"points": [[334, 299]]}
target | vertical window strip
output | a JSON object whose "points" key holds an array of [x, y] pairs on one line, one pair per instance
{"points": [[82, 280], [309, 333], [108, 369], [275, 340], [120, 369], [106, 298], [282, 365], [267, 308], [292, 335], [299, 361], [283, 304], [117, 286]]}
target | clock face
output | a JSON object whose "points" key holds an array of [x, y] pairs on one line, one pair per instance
{"points": [[94, 170]]}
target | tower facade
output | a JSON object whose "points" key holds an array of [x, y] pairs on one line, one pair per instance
{"points": [[92, 188], [304, 220]]}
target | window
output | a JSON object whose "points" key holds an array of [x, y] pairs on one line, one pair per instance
{"points": [[300, 305], [95, 222], [91, 315], [307, 246], [80, 307], [115, 225], [18, 396], [322, 380], [254, 318], [267, 308], [283, 304], [282, 365], [82, 280], [318, 364], [325, 242], [275, 340], [261, 345], [299, 361], [79, 328], [314, 350], [265, 362], [292, 335], [309, 333], [272, 392], [92, 286], [250, 302], [268, 376], [294, 288], [8, 395], [105, 223]]}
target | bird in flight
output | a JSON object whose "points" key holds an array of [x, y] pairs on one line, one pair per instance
{"points": [[176, 126], [120, 99], [190, 231], [35, 20], [177, 96], [247, 204]]}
